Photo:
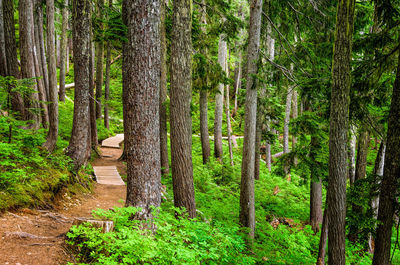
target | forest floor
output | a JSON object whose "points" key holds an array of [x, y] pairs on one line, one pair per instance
{"points": [[37, 237]]}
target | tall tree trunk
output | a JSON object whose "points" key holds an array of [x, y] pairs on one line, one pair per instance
{"points": [[387, 198], [3, 59], [315, 190], [228, 119], [163, 95], [362, 153], [378, 173], [259, 127], [219, 101], [31, 100], [99, 58], [41, 47], [141, 88], [53, 100], [92, 105], [205, 138], [352, 154], [287, 120], [107, 83], [38, 68], [64, 48], [247, 208], [17, 103], [79, 145], [294, 116], [268, 156], [339, 119], [204, 135], [238, 83], [323, 238], [181, 95]]}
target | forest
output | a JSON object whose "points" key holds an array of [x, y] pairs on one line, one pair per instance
{"points": [[199, 132]]}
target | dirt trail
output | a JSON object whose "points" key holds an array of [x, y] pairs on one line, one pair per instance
{"points": [[37, 237]]}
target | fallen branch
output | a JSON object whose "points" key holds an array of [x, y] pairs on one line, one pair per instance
{"points": [[25, 235]]}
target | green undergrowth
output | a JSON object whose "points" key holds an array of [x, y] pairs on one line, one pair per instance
{"points": [[175, 240], [29, 175]]}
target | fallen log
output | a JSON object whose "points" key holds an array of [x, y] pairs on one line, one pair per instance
{"points": [[106, 226]]}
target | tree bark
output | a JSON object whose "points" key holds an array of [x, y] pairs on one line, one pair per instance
{"points": [[362, 153], [53, 100], [204, 135], [294, 116], [107, 83], [99, 58], [41, 48], [323, 239], [79, 145], [352, 154], [219, 102], [3, 59], [141, 88], [387, 198], [163, 95], [64, 48], [31, 100], [228, 119], [92, 105], [38, 68], [315, 190], [181, 94], [17, 103], [339, 119], [247, 208], [378, 173], [287, 120]]}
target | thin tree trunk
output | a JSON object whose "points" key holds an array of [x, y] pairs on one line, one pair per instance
{"points": [[163, 95], [181, 94], [287, 120], [99, 58], [228, 120], [38, 69], [315, 190], [205, 138], [387, 198], [79, 145], [323, 239], [219, 102], [294, 116], [204, 135], [53, 100], [107, 83], [378, 173], [41, 48], [64, 48], [268, 157], [259, 125], [141, 88], [247, 207], [17, 103], [3, 59], [238, 83], [92, 105], [352, 154], [31, 100], [339, 120]]}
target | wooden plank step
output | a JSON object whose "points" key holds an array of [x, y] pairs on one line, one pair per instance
{"points": [[113, 142], [107, 175]]}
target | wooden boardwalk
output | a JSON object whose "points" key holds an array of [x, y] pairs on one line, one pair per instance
{"points": [[107, 175], [113, 142]]}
